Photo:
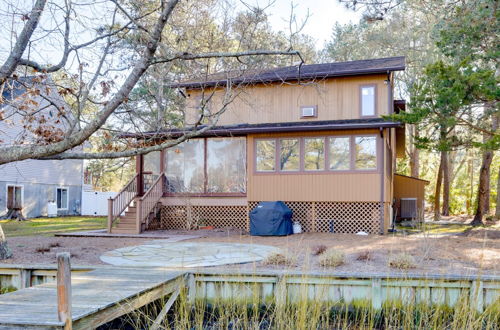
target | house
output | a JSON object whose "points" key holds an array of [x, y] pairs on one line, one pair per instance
{"points": [[312, 136], [28, 186]]}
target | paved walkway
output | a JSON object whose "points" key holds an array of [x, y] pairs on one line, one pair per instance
{"points": [[161, 253]]}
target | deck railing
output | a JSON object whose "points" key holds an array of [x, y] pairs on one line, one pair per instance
{"points": [[120, 202], [149, 200]]}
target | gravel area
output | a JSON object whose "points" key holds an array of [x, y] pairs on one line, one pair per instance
{"points": [[454, 254]]}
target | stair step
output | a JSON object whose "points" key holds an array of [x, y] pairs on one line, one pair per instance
{"points": [[123, 231]]}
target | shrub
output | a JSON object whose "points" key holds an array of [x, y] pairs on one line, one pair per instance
{"points": [[42, 249], [402, 261], [280, 259], [364, 256], [332, 258], [318, 249]]}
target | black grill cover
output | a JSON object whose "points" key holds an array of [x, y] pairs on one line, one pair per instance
{"points": [[271, 219]]}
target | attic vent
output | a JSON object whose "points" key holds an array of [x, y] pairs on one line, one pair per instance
{"points": [[409, 208], [308, 111]]}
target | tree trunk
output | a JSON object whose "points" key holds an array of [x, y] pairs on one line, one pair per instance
{"points": [[446, 183], [484, 174], [414, 153], [5, 252], [497, 210], [437, 193]]}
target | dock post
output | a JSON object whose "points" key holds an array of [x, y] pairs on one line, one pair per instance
{"points": [[64, 289], [376, 293], [110, 215]]}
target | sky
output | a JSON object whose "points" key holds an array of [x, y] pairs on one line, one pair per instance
{"points": [[323, 16]]}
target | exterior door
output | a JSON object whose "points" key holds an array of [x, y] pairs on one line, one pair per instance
{"points": [[14, 197]]}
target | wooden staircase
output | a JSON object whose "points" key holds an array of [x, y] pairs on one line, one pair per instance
{"points": [[127, 223], [129, 213]]}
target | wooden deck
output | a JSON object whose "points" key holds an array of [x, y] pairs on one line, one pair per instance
{"points": [[98, 297]]}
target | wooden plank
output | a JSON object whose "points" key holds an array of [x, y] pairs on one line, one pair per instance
{"points": [[99, 317], [165, 309], [64, 290]]}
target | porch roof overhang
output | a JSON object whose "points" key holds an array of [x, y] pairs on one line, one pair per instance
{"points": [[245, 129]]}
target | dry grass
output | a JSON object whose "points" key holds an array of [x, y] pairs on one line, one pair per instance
{"points": [[332, 258], [42, 249], [402, 261], [318, 249], [280, 259], [365, 256]]}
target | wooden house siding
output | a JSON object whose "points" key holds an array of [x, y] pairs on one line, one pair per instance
{"points": [[409, 187], [326, 186], [335, 98]]}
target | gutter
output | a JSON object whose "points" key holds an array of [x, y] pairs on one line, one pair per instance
{"points": [[232, 131]]}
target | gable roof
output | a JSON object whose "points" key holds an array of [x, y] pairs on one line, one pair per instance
{"points": [[299, 72]]}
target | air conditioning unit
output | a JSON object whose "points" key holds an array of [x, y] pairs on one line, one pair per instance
{"points": [[409, 208], [309, 111]]}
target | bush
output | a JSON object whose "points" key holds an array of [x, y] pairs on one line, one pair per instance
{"points": [[332, 258], [364, 256], [318, 249], [280, 259], [402, 261]]}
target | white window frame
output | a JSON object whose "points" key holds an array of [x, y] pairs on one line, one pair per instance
{"points": [[67, 199], [362, 87]]}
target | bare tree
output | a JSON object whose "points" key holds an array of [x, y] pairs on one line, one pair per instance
{"points": [[84, 79], [103, 51]]}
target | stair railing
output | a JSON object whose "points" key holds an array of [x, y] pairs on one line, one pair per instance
{"points": [[121, 201], [148, 201]]}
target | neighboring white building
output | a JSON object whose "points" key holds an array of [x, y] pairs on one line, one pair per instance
{"points": [[32, 184]]}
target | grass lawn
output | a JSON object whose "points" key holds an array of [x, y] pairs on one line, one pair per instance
{"points": [[434, 228], [50, 226]]}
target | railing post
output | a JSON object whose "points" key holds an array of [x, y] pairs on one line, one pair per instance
{"points": [[64, 289], [138, 216], [110, 214]]}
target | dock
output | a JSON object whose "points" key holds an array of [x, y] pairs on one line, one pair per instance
{"points": [[98, 296]]}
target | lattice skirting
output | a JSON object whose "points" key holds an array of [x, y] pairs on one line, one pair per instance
{"points": [[185, 217], [337, 217]]}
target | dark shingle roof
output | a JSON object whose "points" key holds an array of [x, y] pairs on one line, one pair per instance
{"points": [[298, 72], [243, 129]]}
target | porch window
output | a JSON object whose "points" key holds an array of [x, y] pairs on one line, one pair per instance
{"points": [[226, 165], [367, 101], [366, 152], [314, 154], [207, 166], [340, 153], [186, 167], [62, 198], [289, 155], [265, 155]]}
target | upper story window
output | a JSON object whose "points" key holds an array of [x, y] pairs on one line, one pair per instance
{"points": [[316, 154], [368, 99]]}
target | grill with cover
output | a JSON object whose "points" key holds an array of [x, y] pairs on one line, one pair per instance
{"points": [[271, 219]]}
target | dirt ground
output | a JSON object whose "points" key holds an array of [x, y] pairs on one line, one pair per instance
{"points": [[474, 253]]}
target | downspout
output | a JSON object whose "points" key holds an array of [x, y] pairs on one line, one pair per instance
{"points": [[390, 103], [382, 183]]}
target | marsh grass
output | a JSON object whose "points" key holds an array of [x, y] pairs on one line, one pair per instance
{"points": [[306, 313], [332, 258]]}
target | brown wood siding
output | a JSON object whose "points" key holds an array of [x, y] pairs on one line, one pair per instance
{"points": [[329, 186], [408, 187], [336, 99]]}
